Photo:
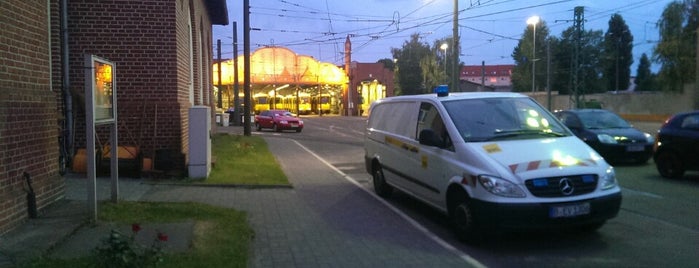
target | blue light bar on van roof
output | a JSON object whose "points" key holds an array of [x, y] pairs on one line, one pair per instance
{"points": [[442, 90]]}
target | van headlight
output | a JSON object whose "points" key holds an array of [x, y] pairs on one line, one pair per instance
{"points": [[609, 179], [500, 186]]}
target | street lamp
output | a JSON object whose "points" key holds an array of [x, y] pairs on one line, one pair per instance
{"points": [[444, 47], [533, 20]]}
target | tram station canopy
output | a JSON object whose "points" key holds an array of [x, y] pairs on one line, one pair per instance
{"points": [[280, 65]]}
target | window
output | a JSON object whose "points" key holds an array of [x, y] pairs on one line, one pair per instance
{"points": [[429, 118], [691, 122], [485, 119], [394, 118]]}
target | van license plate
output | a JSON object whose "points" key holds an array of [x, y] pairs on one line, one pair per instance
{"points": [[294, 125], [569, 210], [634, 148]]}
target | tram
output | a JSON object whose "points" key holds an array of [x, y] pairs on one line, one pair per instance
{"points": [[322, 103], [261, 102], [305, 103]]}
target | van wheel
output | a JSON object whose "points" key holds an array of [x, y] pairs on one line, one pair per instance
{"points": [[275, 128], [259, 127], [669, 165], [380, 186], [463, 223]]}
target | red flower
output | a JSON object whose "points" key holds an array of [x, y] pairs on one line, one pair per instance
{"points": [[135, 227], [162, 237]]}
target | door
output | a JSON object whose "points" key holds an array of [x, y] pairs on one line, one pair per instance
{"points": [[434, 169]]}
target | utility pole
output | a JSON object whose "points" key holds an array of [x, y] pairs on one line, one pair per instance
{"points": [[578, 24], [219, 100], [236, 90], [696, 76], [548, 74], [246, 66], [455, 50]]}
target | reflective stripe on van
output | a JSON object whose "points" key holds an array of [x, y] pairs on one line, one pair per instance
{"points": [[400, 144], [544, 164]]}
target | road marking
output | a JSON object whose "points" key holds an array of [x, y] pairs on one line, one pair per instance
{"points": [[470, 260], [646, 194], [335, 129]]}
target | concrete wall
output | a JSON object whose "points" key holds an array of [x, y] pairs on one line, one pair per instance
{"points": [[637, 106]]}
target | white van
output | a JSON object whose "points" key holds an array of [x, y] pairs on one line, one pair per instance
{"points": [[488, 159]]}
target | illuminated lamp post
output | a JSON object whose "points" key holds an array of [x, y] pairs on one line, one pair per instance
{"points": [[534, 20], [444, 47]]}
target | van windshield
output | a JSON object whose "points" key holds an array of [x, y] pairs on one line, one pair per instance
{"points": [[490, 119]]}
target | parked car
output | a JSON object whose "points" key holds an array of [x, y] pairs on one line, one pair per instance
{"points": [[278, 120], [677, 145], [609, 134]]}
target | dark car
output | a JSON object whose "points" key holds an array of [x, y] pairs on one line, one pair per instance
{"points": [[609, 134], [278, 120], [677, 145]]}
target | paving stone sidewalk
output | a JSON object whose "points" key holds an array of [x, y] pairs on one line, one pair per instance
{"points": [[323, 221]]}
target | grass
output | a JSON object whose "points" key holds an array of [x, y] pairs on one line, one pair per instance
{"points": [[221, 237], [244, 160]]}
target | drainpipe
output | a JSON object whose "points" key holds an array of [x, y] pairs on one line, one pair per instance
{"points": [[67, 96]]}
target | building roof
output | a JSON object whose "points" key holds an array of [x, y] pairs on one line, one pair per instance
{"points": [[475, 70], [218, 11]]}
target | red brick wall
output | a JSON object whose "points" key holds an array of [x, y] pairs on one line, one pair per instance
{"points": [[149, 41], [193, 25], [28, 114]]}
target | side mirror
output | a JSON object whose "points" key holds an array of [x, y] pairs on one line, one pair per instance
{"points": [[429, 138]]}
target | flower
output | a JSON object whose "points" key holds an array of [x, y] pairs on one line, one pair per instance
{"points": [[122, 251], [162, 237], [135, 227]]}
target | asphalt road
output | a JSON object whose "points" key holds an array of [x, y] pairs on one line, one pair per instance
{"points": [[658, 225]]}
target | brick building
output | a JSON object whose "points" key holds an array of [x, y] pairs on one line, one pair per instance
{"points": [[28, 141], [498, 77], [369, 82], [163, 55]]}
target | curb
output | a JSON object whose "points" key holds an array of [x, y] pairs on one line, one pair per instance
{"points": [[242, 186]]}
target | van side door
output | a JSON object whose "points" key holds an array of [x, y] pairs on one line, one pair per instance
{"points": [[436, 155]]}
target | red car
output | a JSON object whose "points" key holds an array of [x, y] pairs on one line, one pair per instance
{"points": [[278, 120]]}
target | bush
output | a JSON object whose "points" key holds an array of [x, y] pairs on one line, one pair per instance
{"points": [[119, 250]]}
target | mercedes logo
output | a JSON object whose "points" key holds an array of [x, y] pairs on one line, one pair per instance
{"points": [[566, 186]]}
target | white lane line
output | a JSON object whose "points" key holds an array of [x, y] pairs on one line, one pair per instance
{"points": [[343, 131], [646, 194], [470, 260]]}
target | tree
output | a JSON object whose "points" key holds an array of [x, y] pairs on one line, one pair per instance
{"points": [[387, 63], [617, 56], [523, 57], [589, 69], [676, 50], [430, 71], [409, 74], [419, 68], [644, 78], [445, 60]]}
